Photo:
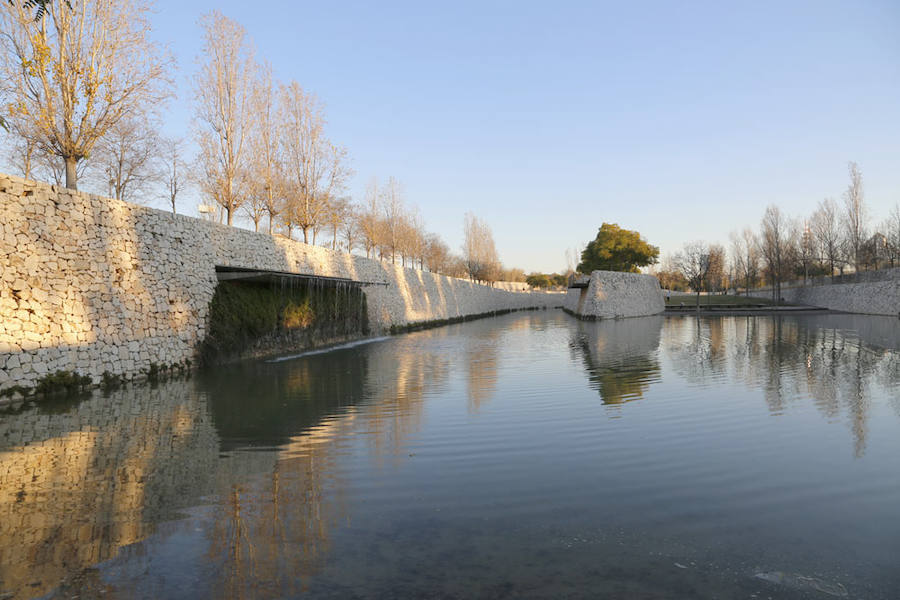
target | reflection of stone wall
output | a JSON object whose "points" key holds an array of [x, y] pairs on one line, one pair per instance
{"points": [[91, 284], [613, 295], [620, 357], [77, 486], [874, 298]]}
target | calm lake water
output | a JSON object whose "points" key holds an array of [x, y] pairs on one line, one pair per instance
{"points": [[530, 455]]}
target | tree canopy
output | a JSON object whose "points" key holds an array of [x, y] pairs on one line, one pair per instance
{"points": [[617, 249]]}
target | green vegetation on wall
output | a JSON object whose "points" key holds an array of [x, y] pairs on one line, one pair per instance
{"points": [[257, 318]]}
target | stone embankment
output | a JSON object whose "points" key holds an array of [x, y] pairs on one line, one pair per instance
{"points": [[615, 295], [94, 285], [866, 298]]}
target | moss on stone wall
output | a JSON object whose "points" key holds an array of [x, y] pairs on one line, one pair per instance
{"points": [[253, 319]]}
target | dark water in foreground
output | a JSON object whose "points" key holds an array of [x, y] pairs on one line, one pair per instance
{"points": [[530, 455]]}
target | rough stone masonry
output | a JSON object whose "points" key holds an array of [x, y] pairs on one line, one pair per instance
{"points": [[94, 285], [616, 295]]}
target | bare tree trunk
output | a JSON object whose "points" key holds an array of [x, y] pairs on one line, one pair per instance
{"points": [[71, 173], [89, 64], [230, 212]]}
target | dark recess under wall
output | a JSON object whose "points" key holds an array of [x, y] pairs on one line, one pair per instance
{"points": [[280, 315]]}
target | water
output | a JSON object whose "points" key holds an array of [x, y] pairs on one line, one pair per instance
{"points": [[529, 455]]}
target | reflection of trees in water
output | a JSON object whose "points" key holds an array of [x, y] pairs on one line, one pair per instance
{"points": [[482, 360], [273, 533], [836, 360], [400, 376], [76, 486], [620, 356]]}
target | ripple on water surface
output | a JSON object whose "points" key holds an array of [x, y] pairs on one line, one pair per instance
{"points": [[530, 455]]}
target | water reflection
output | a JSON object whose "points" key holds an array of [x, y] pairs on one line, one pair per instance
{"points": [[833, 360], [274, 533], [619, 356], [259, 441], [77, 486], [336, 470], [482, 360]]}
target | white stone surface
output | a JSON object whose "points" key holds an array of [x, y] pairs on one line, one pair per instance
{"points": [[92, 284], [875, 298], [615, 295]]}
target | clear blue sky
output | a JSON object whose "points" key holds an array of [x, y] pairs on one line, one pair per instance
{"points": [[682, 120]]}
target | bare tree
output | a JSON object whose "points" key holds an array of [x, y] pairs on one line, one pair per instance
{"points": [[23, 155], [75, 73], [173, 168], [693, 262], [337, 213], [369, 219], [745, 249], [806, 248], [318, 169], [50, 168], [265, 137], [479, 251], [124, 158], [892, 232], [223, 89], [412, 237], [351, 230], [392, 218], [437, 254], [255, 202], [716, 276], [855, 216], [776, 248], [827, 233]]}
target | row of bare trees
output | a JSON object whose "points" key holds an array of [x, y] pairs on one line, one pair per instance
{"points": [[86, 88], [834, 239], [262, 143]]}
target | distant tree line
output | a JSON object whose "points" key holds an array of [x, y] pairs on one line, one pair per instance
{"points": [[835, 239]]}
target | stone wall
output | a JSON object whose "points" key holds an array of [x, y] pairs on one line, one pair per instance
{"points": [[615, 295], [872, 298], [95, 285]]}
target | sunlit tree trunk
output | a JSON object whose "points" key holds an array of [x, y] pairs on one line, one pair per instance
{"points": [[78, 71]]}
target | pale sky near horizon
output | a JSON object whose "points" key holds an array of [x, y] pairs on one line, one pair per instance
{"points": [[682, 120]]}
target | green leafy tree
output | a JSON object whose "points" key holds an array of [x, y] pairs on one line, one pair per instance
{"points": [[617, 249], [538, 280]]}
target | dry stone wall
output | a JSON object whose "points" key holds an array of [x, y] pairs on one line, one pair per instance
{"points": [[95, 285], [869, 298], [615, 295]]}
